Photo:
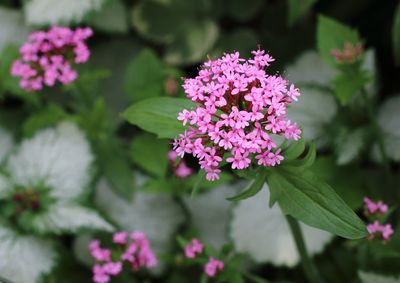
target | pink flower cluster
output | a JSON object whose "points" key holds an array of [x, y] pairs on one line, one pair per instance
{"points": [[47, 57], [386, 231], [372, 208], [213, 265], [136, 251], [194, 248], [375, 207], [239, 108], [181, 170]]}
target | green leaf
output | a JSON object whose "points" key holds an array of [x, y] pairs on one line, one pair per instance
{"points": [[252, 190], [47, 117], [158, 20], [193, 44], [294, 150], [196, 186], [111, 18], [346, 85], [144, 77], [304, 163], [297, 9], [333, 35], [243, 40], [158, 115], [243, 11], [150, 154], [351, 190], [309, 199], [396, 36], [115, 166]]}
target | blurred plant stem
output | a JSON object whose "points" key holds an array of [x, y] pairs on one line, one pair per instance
{"points": [[378, 133], [309, 268]]}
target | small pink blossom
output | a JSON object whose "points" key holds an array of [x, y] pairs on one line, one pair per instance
{"points": [[183, 171], [193, 248], [120, 237], [213, 266]]}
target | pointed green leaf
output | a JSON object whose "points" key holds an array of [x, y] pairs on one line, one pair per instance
{"points": [[307, 198], [159, 115], [252, 190]]}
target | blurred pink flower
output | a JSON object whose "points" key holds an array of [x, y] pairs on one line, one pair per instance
{"points": [[47, 57], [213, 266], [375, 207], [194, 248], [137, 252]]}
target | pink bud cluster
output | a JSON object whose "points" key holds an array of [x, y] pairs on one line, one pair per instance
{"points": [[47, 57], [195, 248], [135, 249], [239, 109], [181, 170], [372, 208], [350, 53]]}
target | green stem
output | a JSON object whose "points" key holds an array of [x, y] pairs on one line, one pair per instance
{"points": [[378, 133], [309, 268]]}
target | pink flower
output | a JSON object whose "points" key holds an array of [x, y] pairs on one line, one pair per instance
{"points": [[239, 106], [182, 170], [98, 253], [47, 57], [120, 237], [213, 266], [386, 231], [194, 248]]}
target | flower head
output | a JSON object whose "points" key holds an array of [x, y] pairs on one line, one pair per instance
{"points": [[239, 108], [47, 57]]}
